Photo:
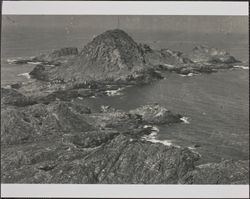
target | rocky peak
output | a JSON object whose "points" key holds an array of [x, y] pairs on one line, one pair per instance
{"points": [[109, 55], [115, 47]]}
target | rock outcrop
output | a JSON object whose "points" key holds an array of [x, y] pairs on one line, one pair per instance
{"points": [[165, 57], [57, 54], [203, 54], [40, 122], [64, 142], [114, 56], [121, 160], [14, 98], [155, 114], [225, 172], [55, 57], [200, 60], [111, 56]]}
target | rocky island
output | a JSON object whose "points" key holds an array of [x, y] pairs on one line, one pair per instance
{"points": [[49, 137]]}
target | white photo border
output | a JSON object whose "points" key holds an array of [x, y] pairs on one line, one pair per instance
{"points": [[124, 8]]}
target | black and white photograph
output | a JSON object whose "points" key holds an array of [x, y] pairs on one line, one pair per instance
{"points": [[125, 99]]}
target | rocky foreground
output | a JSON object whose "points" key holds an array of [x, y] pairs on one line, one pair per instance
{"points": [[65, 142], [47, 136]]}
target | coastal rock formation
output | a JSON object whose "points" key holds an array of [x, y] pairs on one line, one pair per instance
{"points": [[114, 56], [48, 62], [41, 122], [125, 160], [48, 136], [15, 98], [57, 54], [155, 114], [211, 55], [40, 72], [200, 60], [16, 85], [121, 160], [55, 57], [111, 55], [225, 172], [64, 142], [164, 57]]}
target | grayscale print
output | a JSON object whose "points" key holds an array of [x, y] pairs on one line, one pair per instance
{"points": [[124, 99]]}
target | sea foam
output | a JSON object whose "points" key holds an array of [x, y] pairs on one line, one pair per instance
{"points": [[152, 137], [242, 67], [114, 92], [11, 61], [185, 120], [34, 63], [188, 75], [27, 75]]}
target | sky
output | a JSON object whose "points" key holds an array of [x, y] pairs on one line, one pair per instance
{"points": [[198, 24]]}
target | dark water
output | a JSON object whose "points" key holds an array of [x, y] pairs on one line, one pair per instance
{"points": [[216, 105]]}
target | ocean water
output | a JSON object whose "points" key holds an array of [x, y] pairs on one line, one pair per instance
{"points": [[216, 106]]}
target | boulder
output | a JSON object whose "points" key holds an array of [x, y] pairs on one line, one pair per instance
{"points": [[16, 85], [39, 72]]}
